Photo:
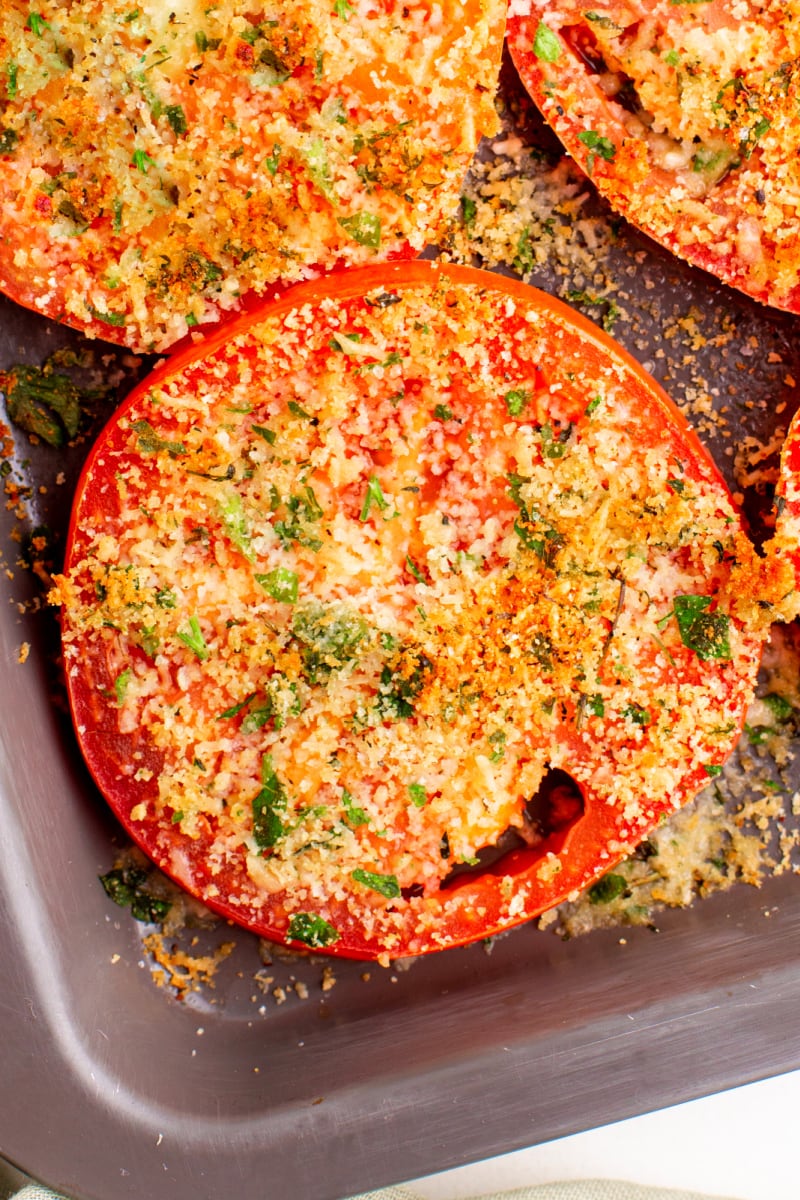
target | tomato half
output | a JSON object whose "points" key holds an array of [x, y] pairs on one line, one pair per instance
{"points": [[401, 611], [158, 163], [685, 117]]}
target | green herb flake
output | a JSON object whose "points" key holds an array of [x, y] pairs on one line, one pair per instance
{"points": [[374, 495], [297, 410], [778, 705], [177, 119], [414, 570], [192, 637], [599, 147], [498, 741], [712, 769], [316, 158], [469, 212], [364, 228], [343, 10], [36, 23], [272, 161], [121, 685], [312, 930], [443, 412], [149, 442], [592, 406], [517, 400], [281, 584], [354, 815], [43, 402], [417, 795], [330, 637], [11, 79], [204, 42], [546, 44], [234, 522], [609, 888], [703, 631], [116, 319], [235, 709], [126, 887], [142, 161], [636, 714], [601, 21], [554, 444], [399, 686], [385, 885], [269, 807]]}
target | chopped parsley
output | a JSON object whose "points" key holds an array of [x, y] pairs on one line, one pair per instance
{"points": [[43, 402], [192, 637], [177, 119], [701, 630], [364, 228], [8, 141], [269, 807], [599, 147], [517, 400], [609, 888], [126, 887], [417, 795], [401, 682], [374, 495], [281, 584], [546, 44], [354, 815], [121, 685], [312, 930], [330, 637], [385, 885], [149, 442]]}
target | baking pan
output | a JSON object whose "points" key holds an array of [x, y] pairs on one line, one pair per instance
{"points": [[300, 1077]]}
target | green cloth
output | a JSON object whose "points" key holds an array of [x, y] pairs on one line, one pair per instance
{"points": [[582, 1189]]}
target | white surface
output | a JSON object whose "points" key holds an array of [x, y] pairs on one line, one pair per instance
{"points": [[742, 1143]]}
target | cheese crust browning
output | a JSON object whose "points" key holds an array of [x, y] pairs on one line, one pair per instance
{"points": [[158, 162], [343, 591], [685, 115]]}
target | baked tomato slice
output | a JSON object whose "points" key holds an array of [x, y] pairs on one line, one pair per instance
{"points": [[685, 115], [401, 610], [160, 162]]}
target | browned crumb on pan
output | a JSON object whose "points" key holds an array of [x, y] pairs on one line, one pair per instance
{"points": [[176, 968]]}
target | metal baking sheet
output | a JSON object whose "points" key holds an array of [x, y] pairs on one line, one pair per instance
{"points": [[322, 1080]]}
